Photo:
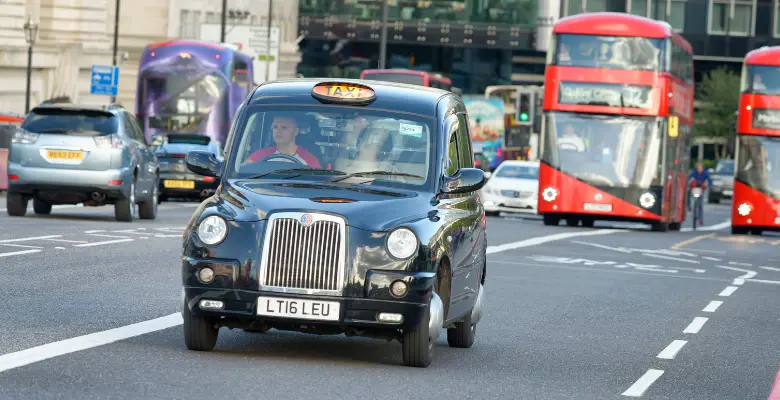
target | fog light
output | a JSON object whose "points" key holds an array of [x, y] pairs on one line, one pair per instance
{"points": [[390, 317], [206, 275], [744, 209], [211, 304], [398, 288]]}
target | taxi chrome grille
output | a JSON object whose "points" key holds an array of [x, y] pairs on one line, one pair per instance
{"points": [[304, 253]]}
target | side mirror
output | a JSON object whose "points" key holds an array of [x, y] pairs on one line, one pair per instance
{"points": [[203, 163], [467, 180]]}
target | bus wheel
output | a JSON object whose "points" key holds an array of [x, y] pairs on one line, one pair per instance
{"points": [[588, 222], [572, 221], [550, 219], [675, 226], [738, 230], [659, 227]]}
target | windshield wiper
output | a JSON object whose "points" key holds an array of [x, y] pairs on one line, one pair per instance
{"points": [[369, 173], [304, 170]]}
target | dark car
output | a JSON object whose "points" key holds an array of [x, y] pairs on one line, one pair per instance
{"points": [[345, 207], [722, 181], [176, 180]]}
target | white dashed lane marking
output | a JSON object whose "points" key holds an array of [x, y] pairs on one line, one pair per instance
{"points": [[671, 350], [696, 325], [713, 306]]}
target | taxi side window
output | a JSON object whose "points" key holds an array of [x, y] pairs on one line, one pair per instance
{"points": [[464, 143], [452, 152]]}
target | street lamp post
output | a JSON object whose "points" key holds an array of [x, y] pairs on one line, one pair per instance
{"points": [[30, 35]]}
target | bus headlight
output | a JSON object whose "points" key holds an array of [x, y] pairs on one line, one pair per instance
{"points": [[647, 200], [744, 209], [549, 194]]}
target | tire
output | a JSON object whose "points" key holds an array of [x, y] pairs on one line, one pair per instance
{"points": [[148, 209], [675, 226], [16, 205], [738, 230], [417, 347], [124, 209], [200, 334], [550, 220], [588, 223], [572, 221], [492, 213], [659, 227], [41, 208]]}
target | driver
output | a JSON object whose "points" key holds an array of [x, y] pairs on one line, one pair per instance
{"points": [[285, 129]]}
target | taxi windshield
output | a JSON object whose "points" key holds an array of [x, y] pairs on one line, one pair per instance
{"points": [[335, 143]]}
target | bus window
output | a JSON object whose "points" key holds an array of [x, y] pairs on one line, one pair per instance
{"points": [[241, 74]]}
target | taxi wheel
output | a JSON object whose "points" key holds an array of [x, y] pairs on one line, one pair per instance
{"points": [[463, 334], [200, 334], [16, 205], [417, 346], [41, 208]]}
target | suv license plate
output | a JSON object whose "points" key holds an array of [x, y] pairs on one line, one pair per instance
{"points": [[597, 207], [298, 308], [169, 184]]}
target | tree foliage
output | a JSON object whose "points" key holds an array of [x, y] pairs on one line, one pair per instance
{"points": [[719, 90]]}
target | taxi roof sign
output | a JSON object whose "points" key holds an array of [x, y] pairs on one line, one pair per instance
{"points": [[342, 92]]}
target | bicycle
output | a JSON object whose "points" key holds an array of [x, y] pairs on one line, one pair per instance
{"points": [[697, 191]]}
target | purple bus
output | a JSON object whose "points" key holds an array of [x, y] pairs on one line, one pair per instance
{"points": [[192, 87]]}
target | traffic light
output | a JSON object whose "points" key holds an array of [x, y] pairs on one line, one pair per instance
{"points": [[525, 107]]}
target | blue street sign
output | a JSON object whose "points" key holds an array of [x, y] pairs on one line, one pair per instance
{"points": [[105, 80]]}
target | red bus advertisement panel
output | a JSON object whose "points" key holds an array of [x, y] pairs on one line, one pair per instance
{"points": [[617, 113], [756, 204]]}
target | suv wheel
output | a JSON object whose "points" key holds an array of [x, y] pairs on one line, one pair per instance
{"points": [[124, 209], [41, 208], [16, 204], [148, 209]]}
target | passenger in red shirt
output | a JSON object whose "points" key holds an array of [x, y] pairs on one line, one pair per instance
{"points": [[285, 129]]}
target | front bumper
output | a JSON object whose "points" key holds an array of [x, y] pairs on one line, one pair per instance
{"points": [[494, 203], [241, 302]]}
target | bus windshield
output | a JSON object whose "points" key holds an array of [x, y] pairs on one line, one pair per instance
{"points": [[762, 79], [601, 150], [759, 163], [178, 104], [614, 52]]}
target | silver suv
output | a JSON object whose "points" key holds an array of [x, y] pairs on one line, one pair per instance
{"points": [[71, 154]]}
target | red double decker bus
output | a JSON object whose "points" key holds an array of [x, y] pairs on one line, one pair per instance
{"points": [[618, 111], [756, 203]]}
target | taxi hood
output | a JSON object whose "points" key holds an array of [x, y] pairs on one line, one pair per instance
{"points": [[365, 207]]}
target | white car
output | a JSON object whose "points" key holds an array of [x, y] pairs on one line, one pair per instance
{"points": [[512, 187]]}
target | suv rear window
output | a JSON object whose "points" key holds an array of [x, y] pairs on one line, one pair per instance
{"points": [[71, 122]]}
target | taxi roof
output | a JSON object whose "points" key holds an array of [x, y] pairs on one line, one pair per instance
{"points": [[389, 95]]}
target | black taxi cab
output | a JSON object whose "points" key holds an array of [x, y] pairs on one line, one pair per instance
{"points": [[344, 207]]}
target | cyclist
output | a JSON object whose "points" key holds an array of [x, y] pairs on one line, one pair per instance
{"points": [[699, 175]]}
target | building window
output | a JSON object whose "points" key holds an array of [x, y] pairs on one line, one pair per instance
{"points": [[585, 6], [656, 9], [720, 22], [776, 18]]}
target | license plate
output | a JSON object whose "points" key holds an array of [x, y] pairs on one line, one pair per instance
{"points": [[597, 207], [298, 308], [65, 155], [179, 184]]}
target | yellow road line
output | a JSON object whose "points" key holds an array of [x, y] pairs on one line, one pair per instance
{"points": [[702, 250], [691, 240]]}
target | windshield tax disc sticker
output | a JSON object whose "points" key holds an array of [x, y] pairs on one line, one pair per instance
{"points": [[410, 130]]}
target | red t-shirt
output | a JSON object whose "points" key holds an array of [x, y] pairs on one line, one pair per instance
{"points": [[301, 154]]}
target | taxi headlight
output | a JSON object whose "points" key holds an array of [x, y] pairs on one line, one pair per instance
{"points": [[212, 230], [402, 243]]}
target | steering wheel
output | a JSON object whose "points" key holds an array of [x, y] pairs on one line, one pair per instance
{"points": [[283, 157]]}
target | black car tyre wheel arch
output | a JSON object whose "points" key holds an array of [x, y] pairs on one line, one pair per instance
{"points": [[16, 204], [148, 208], [41, 208], [417, 346], [124, 208], [200, 334], [465, 330]]}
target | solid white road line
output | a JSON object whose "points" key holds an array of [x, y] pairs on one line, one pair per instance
{"points": [[671, 258], [738, 282], [103, 243], [29, 238], [696, 325], [642, 384], [66, 241], [711, 258], [51, 350], [713, 306], [770, 269], [728, 291], [740, 264], [108, 236], [545, 239], [601, 246], [748, 273], [764, 281], [18, 253], [21, 245], [671, 350]]}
